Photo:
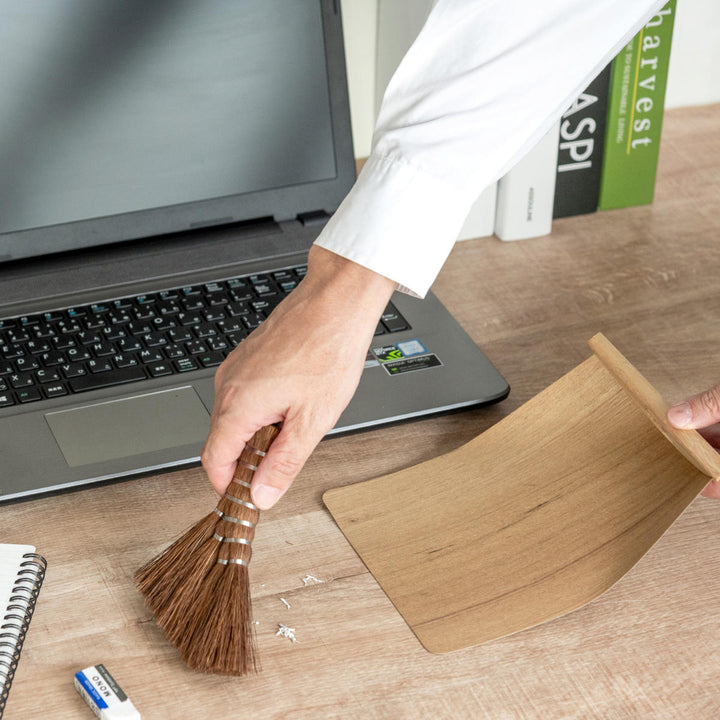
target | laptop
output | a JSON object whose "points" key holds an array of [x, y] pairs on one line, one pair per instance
{"points": [[164, 169]]}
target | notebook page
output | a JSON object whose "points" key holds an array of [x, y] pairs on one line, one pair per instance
{"points": [[11, 556]]}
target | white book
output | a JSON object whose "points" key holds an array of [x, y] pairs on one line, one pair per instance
{"points": [[480, 221], [526, 194]]}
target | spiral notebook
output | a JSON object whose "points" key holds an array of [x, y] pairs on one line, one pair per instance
{"points": [[22, 571]]}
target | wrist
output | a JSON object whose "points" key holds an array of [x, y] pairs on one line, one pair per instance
{"points": [[347, 282]]}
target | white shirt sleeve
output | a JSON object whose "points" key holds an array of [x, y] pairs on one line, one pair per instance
{"points": [[483, 82]]}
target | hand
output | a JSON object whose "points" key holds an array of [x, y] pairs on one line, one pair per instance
{"points": [[701, 412], [300, 367]]}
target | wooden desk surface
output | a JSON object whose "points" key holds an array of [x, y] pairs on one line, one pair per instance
{"points": [[650, 647]]}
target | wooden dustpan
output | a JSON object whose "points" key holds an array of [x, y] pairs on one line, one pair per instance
{"points": [[536, 516]]}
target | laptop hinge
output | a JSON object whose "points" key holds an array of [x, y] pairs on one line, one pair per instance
{"points": [[314, 217]]}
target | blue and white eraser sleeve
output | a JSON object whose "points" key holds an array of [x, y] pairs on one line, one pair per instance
{"points": [[103, 695]]}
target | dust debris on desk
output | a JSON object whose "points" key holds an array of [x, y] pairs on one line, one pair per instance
{"points": [[308, 579], [286, 632], [285, 603]]}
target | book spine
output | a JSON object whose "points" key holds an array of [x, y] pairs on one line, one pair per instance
{"points": [[526, 194], [480, 221], [16, 619], [580, 152], [637, 100]]}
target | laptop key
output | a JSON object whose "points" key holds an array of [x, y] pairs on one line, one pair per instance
{"points": [[73, 370], [11, 351], [63, 342], [119, 376], [185, 364], [145, 299], [154, 339], [393, 320], [211, 359], [36, 347], [49, 359], [99, 366], [252, 320], [47, 376], [205, 330], [87, 337], [195, 347], [21, 380], [173, 351], [95, 322], [6, 399], [215, 343], [179, 335], [29, 395], [123, 360], [103, 349], [235, 338], [55, 390], [128, 345], [159, 369], [75, 354], [20, 335], [24, 364], [150, 356]]}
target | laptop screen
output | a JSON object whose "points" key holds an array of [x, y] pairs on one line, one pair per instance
{"points": [[125, 118]]}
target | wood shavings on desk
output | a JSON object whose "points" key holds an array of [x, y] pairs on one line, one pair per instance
{"points": [[286, 632], [311, 579]]}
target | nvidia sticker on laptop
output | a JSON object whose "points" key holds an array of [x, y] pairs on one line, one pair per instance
{"points": [[405, 357]]}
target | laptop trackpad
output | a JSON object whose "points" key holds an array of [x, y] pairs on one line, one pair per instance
{"points": [[130, 426]]}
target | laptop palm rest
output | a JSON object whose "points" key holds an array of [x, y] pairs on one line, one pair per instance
{"points": [[130, 426]]}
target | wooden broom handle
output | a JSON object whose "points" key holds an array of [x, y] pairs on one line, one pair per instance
{"points": [[250, 458], [688, 442]]}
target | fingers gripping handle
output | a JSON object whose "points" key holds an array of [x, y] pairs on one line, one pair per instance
{"points": [[238, 515], [688, 442]]}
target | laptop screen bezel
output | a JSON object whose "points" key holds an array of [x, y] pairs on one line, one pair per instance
{"points": [[283, 203]]}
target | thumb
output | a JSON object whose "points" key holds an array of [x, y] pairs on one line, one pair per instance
{"points": [[221, 451], [282, 463], [699, 411]]}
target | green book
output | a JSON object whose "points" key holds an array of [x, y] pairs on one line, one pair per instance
{"points": [[635, 113]]}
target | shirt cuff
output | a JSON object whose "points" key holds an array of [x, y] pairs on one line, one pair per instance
{"points": [[399, 222]]}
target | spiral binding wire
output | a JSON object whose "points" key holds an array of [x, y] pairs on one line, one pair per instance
{"points": [[15, 623]]}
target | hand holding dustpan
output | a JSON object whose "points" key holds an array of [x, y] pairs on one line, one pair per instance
{"points": [[701, 412], [536, 516]]}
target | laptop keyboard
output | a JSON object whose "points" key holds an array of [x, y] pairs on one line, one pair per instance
{"points": [[169, 332]]}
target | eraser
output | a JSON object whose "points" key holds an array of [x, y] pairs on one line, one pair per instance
{"points": [[103, 695]]}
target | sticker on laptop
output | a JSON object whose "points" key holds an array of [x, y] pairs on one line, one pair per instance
{"points": [[408, 348], [410, 364]]}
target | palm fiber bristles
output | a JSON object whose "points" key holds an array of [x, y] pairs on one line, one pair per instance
{"points": [[198, 588]]}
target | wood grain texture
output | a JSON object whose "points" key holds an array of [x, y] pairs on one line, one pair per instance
{"points": [[534, 518], [688, 443], [649, 647]]}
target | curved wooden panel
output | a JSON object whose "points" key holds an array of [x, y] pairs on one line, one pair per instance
{"points": [[532, 519]]}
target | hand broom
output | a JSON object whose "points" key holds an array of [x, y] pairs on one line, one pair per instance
{"points": [[198, 587]]}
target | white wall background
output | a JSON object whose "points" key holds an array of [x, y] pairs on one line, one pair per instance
{"points": [[377, 32]]}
